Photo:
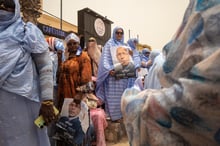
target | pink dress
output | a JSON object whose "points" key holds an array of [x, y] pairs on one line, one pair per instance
{"points": [[100, 123]]}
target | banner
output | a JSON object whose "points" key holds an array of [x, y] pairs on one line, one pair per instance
{"points": [[123, 64]]}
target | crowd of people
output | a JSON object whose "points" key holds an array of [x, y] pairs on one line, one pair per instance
{"points": [[39, 74], [53, 92]]}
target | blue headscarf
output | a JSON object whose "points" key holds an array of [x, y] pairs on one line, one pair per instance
{"points": [[74, 37], [18, 40], [131, 42], [143, 57], [113, 39], [136, 56]]}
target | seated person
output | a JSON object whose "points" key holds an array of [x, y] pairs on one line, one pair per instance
{"points": [[97, 115], [68, 128]]}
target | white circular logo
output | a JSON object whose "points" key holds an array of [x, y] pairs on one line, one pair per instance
{"points": [[99, 27]]}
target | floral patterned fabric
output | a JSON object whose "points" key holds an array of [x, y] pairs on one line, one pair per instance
{"points": [[186, 112]]}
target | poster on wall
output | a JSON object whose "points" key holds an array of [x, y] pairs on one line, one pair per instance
{"points": [[123, 64]]}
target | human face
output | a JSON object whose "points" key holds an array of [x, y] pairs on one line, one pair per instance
{"points": [[147, 54], [123, 56], [74, 109], [72, 46], [119, 34], [91, 43]]}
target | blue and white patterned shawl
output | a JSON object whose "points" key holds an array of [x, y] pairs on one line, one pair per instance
{"points": [[18, 40], [108, 89]]}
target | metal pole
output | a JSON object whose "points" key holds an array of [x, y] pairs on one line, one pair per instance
{"points": [[61, 14], [129, 33]]}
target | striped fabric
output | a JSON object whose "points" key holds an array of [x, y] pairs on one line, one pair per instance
{"points": [[108, 89], [50, 41]]}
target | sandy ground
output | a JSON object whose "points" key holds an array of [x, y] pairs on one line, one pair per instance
{"points": [[122, 142]]}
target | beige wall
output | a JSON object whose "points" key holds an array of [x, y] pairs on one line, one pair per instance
{"points": [[55, 22]]}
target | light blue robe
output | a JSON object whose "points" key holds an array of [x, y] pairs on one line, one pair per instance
{"points": [[20, 91], [108, 89]]}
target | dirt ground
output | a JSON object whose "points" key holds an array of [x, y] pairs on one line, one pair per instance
{"points": [[122, 142]]}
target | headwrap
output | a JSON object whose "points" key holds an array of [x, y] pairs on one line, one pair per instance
{"points": [[153, 55], [114, 36], [145, 50], [72, 36], [136, 56], [131, 42]]}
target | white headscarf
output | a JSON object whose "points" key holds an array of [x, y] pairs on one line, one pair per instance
{"points": [[72, 36]]}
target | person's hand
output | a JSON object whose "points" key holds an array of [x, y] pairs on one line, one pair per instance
{"points": [[149, 63], [112, 72], [99, 102], [59, 45], [47, 111]]}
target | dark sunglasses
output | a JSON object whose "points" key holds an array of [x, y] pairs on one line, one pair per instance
{"points": [[71, 43], [117, 32]]}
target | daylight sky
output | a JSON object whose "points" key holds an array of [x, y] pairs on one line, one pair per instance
{"points": [[153, 21]]}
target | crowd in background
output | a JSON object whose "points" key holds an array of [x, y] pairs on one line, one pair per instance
{"points": [[94, 71]]}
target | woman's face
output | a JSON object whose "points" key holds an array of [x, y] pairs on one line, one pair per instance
{"points": [[72, 46], [119, 34]]}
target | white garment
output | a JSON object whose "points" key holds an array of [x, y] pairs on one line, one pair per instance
{"points": [[151, 80], [143, 72]]}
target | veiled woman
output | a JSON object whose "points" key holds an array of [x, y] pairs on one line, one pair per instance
{"points": [[109, 89]]}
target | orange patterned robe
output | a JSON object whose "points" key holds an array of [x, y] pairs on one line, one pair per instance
{"points": [[74, 72]]}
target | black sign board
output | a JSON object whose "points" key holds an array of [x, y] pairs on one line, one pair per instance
{"points": [[51, 31], [92, 24]]}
